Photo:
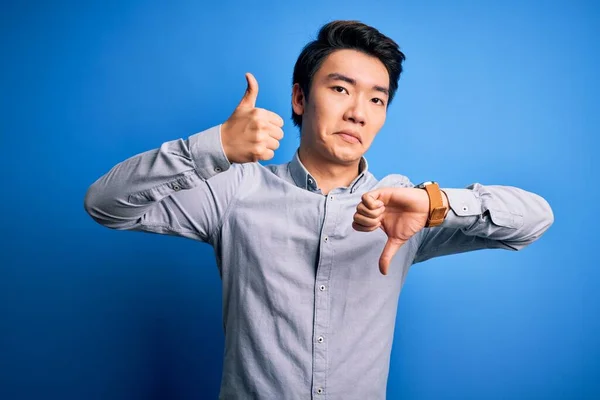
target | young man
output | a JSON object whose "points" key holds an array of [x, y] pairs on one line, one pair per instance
{"points": [[312, 253]]}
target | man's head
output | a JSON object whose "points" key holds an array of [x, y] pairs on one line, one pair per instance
{"points": [[344, 81]]}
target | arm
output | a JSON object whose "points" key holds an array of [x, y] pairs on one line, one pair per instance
{"points": [[185, 187], [169, 189], [486, 217]]}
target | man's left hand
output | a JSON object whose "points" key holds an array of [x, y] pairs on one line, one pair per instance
{"points": [[400, 212]]}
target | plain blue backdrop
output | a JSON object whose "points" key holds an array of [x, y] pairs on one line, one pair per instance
{"points": [[498, 93]]}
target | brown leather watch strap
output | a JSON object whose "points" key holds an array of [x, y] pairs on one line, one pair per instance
{"points": [[437, 211]]}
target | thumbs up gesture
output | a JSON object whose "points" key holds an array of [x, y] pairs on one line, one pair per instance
{"points": [[251, 134]]}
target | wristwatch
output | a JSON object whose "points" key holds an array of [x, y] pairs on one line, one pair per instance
{"points": [[437, 210]]}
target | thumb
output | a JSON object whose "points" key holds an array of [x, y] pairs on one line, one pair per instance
{"points": [[391, 248], [374, 199], [249, 99], [374, 194]]}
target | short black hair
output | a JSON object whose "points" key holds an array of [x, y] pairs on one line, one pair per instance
{"points": [[342, 34]]}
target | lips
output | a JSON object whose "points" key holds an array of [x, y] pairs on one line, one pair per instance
{"points": [[349, 136]]}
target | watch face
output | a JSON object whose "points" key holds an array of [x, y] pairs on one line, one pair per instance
{"points": [[422, 185]]}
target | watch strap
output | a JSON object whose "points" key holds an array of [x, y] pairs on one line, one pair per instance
{"points": [[437, 210]]}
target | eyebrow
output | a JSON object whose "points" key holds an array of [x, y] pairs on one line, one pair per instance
{"points": [[339, 77]]}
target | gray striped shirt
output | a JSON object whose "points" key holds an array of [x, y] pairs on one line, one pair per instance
{"points": [[307, 314]]}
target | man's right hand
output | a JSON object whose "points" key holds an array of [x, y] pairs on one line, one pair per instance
{"points": [[251, 134]]}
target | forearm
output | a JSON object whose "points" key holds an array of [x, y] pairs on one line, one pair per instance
{"points": [[130, 188], [501, 213]]}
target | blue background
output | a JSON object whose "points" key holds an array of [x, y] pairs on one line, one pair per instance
{"points": [[497, 93]]}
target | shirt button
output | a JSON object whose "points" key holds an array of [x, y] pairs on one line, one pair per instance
{"points": [[465, 208], [326, 238], [320, 339], [218, 169], [322, 288], [310, 181], [331, 198], [320, 390], [176, 187]]}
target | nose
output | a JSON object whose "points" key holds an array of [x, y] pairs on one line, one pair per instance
{"points": [[356, 112]]}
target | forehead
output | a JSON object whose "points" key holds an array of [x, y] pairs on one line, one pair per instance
{"points": [[365, 69]]}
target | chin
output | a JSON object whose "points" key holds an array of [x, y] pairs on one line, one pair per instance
{"points": [[346, 156]]}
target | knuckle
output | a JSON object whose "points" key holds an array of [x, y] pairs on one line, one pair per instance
{"points": [[261, 136], [261, 124], [255, 153], [256, 124]]}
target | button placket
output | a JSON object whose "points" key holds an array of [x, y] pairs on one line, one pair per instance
{"points": [[321, 316]]}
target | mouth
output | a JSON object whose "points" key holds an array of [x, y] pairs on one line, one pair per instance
{"points": [[350, 137]]}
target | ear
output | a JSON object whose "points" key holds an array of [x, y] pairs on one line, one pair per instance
{"points": [[298, 99]]}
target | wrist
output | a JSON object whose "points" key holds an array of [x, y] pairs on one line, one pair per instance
{"points": [[446, 202], [224, 143], [438, 203]]}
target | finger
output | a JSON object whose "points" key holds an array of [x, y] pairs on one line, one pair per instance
{"points": [[269, 116], [371, 202], [276, 133], [362, 209], [249, 99], [361, 228], [366, 221], [274, 118], [391, 248], [272, 144], [267, 154]]}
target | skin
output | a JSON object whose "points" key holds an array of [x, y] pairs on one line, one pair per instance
{"points": [[348, 94]]}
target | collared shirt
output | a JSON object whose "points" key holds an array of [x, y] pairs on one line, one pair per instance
{"points": [[307, 314]]}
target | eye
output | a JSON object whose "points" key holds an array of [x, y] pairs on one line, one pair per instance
{"points": [[377, 100], [339, 89]]}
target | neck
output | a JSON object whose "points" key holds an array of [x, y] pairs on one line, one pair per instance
{"points": [[329, 175]]}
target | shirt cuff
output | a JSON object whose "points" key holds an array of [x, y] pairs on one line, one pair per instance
{"points": [[207, 152], [465, 208]]}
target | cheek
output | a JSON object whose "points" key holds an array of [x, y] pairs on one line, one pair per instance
{"points": [[379, 118], [319, 115], [329, 111]]}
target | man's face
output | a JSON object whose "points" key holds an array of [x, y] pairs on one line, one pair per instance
{"points": [[347, 105]]}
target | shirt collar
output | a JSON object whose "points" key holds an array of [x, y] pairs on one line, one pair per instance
{"points": [[305, 180]]}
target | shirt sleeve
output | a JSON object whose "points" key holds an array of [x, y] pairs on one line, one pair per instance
{"points": [[486, 217], [183, 188]]}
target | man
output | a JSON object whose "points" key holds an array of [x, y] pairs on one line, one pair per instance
{"points": [[312, 253]]}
